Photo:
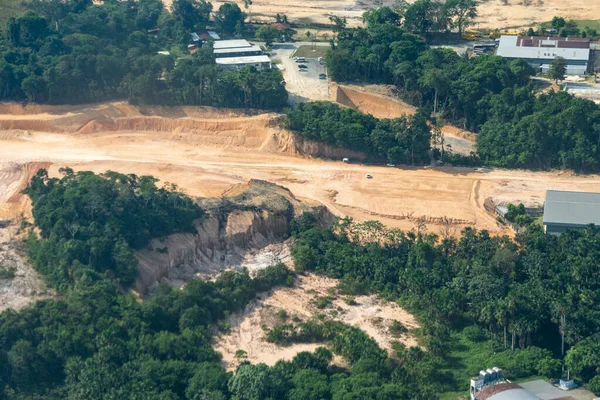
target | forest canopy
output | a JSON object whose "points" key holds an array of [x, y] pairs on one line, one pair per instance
{"points": [[494, 97], [71, 52], [510, 301]]}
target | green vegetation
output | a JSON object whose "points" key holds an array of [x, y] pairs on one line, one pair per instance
{"points": [[487, 94], [517, 292], [400, 140], [308, 52], [91, 224], [518, 215], [7, 272], [78, 51]]}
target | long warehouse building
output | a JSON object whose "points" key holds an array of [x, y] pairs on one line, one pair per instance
{"points": [[234, 54], [539, 51]]}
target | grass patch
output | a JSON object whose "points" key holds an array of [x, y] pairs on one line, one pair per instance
{"points": [[306, 51], [11, 8], [591, 23], [467, 357]]}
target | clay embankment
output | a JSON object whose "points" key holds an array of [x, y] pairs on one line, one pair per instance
{"points": [[243, 229], [25, 287], [198, 126], [379, 101]]}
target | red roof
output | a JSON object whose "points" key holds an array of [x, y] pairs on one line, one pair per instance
{"points": [[554, 42]]}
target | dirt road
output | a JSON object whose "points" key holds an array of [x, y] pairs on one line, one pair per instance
{"points": [[205, 156], [302, 86]]}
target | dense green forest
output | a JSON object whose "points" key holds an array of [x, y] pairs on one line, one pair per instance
{"points": [[487, 94], [530, 292], [77, 51], [507, 301], [401, 140], [90, 225]]}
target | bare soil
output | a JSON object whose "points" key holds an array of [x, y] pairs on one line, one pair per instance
{"points": [[370, 314], [25, 287], [493, 14], [206, 156]]}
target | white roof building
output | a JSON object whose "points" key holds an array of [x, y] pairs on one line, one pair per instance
{"points": [[259, 62], [539, 51], [231, 44]]}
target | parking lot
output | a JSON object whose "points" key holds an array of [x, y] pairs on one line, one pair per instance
{"points": [[301, 85]]}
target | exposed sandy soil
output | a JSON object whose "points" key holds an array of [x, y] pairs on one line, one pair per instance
{"points": [[206, 156], [381, 102], [26, 286], [372, 315], [492, 13]]}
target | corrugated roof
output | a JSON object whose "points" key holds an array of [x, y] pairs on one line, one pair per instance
{"points": [[238, 50], [505, 391], [230, 44], [243, 60], [572, 208]]}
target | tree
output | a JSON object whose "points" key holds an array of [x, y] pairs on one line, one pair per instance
{"points": [[558, 69], [382, 15], [268, 34], [558, 23], [194, 14], [229, 17], [461, 12], [594, 385]]}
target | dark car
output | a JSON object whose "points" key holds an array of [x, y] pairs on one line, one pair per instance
{"points": [[302, 66], [322, 76]]}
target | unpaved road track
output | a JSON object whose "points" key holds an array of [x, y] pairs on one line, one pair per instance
{"points": [[205, 156]]}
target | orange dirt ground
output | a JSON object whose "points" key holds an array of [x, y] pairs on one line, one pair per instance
{"points": [[206, 151]]}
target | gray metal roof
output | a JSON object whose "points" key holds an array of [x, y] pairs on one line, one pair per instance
{"points": [[230, 44], [238, 50], [514, 394], [572, 208]]}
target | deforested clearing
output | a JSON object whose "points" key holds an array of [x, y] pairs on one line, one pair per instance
{"points": [[369, 313], [492, 14], [206, 152]]}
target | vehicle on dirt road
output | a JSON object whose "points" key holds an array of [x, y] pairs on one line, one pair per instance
{"points": [[390, 165], [369, 176], [322, 76]]}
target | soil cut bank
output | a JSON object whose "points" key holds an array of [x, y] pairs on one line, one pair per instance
{"points": [[206, 156]]}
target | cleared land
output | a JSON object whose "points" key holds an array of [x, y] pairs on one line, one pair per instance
{"points": [[206, 151], [370, 314], [492, 13]]}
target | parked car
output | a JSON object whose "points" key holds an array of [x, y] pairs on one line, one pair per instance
{"points": [[302, 66], [390, 165], [322, 76], [300, 59]]}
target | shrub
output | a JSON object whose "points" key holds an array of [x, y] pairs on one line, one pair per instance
{"points": [[594, 385], [7, 272], [474, 333]]}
